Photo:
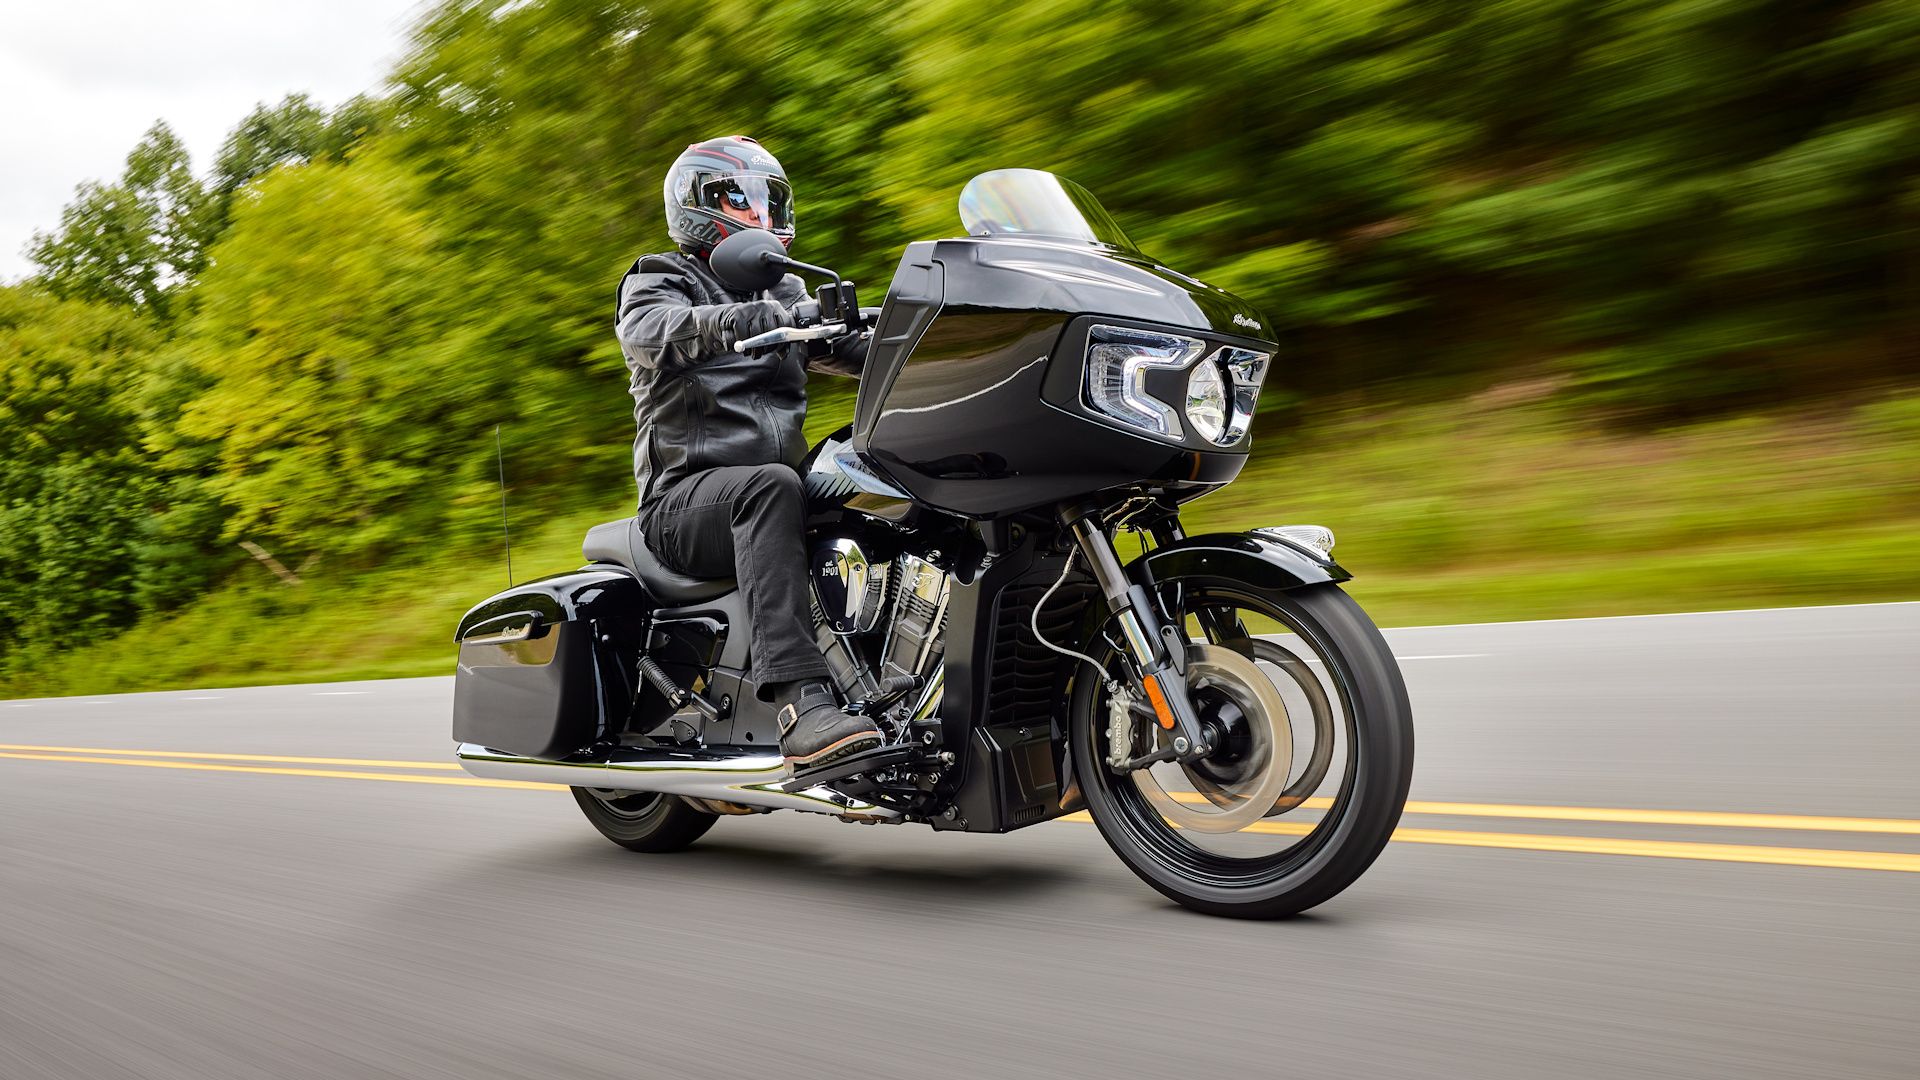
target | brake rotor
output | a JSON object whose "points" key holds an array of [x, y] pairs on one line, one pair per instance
{"points": [[1244, 789]]}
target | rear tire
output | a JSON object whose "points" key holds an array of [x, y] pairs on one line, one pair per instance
{"points": [[1378, 728], [642, 820]]}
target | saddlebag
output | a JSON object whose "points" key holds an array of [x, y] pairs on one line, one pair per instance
{"points": [[546, 668]]}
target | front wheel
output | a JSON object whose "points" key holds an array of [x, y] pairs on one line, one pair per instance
{"points": [[1314, 755], [643, 820]]}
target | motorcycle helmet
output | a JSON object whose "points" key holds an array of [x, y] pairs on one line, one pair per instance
{"points": [[720, 186]]}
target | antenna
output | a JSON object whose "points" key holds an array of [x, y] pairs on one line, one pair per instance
{"points": [[500, 456]]}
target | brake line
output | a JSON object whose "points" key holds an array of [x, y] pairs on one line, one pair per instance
{"points": [[1033, 623]]}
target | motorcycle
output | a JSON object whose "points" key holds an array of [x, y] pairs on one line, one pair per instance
{"points": [[1037, 393]]}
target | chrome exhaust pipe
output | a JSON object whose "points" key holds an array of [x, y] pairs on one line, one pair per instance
{"points": [[750, 779]]}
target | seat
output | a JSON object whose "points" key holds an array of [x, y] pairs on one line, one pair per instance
{"points": [[620, 543]]}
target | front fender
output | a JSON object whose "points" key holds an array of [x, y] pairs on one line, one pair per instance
{"points": [[1256, 559]]}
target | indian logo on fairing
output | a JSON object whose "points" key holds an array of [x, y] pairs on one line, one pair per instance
{"points": [[1251, 324]]}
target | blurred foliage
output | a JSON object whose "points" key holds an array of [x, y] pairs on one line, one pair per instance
{"points": [[337, 369], [77, 490], [294, 131], [1649, 212]]}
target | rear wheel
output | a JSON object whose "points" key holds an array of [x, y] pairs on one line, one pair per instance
{"points": [[643, 820], [1315, 736]]}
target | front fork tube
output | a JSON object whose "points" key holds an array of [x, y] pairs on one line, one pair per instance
{"points": [[1157, 650]]}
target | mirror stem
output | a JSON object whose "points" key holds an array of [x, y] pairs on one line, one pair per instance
{"points": [[795, 264]]}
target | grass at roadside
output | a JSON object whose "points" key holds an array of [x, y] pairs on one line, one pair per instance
{"points": [[1486, 509]]}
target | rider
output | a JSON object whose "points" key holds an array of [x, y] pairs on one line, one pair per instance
{"points": [[719, 441]]}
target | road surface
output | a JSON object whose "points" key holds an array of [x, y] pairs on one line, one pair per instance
{"points": [[1670, 846]]}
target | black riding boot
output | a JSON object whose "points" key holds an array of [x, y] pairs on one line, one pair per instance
{"points": [[813, 730]]}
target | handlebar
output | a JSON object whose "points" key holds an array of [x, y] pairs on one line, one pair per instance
{"points": [[787, 334]]}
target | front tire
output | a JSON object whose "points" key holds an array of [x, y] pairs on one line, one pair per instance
{"points": [[1361, 679], [644, 821]]}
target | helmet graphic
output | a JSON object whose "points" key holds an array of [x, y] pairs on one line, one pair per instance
{"points": [[718, 187]]}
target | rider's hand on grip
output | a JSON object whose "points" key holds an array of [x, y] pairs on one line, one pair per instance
{"points": [[756, 317]]}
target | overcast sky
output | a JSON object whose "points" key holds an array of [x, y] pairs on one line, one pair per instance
{"points": [[82, 80]]}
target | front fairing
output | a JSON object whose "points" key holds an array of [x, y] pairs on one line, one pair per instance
{"points": [[972, 401]]}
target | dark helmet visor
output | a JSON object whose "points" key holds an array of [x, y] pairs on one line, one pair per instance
{"points": [[766, 200]]}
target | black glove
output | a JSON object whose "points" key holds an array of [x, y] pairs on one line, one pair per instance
{"points": [[756, 317], [843, 355]]}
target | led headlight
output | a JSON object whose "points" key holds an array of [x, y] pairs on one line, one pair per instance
{"points": [[1118, 359], [1221, 394], [1207, 401]]}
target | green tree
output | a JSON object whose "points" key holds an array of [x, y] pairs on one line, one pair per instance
{"points": [[74, 484], [293, 131], [135, 242], [338, 374]]}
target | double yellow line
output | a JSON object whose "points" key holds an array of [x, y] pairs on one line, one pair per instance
{"points": [[449, 773]]}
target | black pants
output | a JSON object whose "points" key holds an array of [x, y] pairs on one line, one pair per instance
{"points": [[745, 521]]}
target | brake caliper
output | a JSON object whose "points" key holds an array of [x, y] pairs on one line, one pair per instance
{"points": [[1120, 721]]}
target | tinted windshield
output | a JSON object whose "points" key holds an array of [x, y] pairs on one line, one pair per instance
{"points": [[1028, 202]]}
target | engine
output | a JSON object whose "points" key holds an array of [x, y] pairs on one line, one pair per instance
{"points": [[880, 624]]}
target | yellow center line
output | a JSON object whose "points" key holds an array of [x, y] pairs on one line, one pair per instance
{"points": [[1588, 845], [376, 762], [1601, 845], [1604, 846], [338, 774], [1722, 819], [1714, 818]]}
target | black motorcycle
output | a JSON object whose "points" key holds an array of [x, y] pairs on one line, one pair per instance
{"points": [[1037, 394]]}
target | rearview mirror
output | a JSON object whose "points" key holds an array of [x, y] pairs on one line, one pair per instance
{"points": [[741, 260]]}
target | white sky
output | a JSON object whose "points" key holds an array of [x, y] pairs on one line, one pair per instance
{"points": [[82, 80]]}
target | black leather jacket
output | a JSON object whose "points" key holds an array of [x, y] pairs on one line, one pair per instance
{"points": [[697, 403]]}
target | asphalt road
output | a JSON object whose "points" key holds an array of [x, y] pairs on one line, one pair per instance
{"points": [[172, 915]]}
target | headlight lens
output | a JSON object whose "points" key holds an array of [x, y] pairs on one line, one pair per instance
{"points": [[1207, 401], [1118, 359]]}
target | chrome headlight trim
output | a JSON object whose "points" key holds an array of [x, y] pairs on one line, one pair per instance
{"points": [[1246, 370]]}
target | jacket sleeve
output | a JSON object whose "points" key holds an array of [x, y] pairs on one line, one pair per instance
{"points": [[661, 327]]}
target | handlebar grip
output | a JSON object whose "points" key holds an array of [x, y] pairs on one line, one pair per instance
{"points": [[771, 337], [786, 334]]}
